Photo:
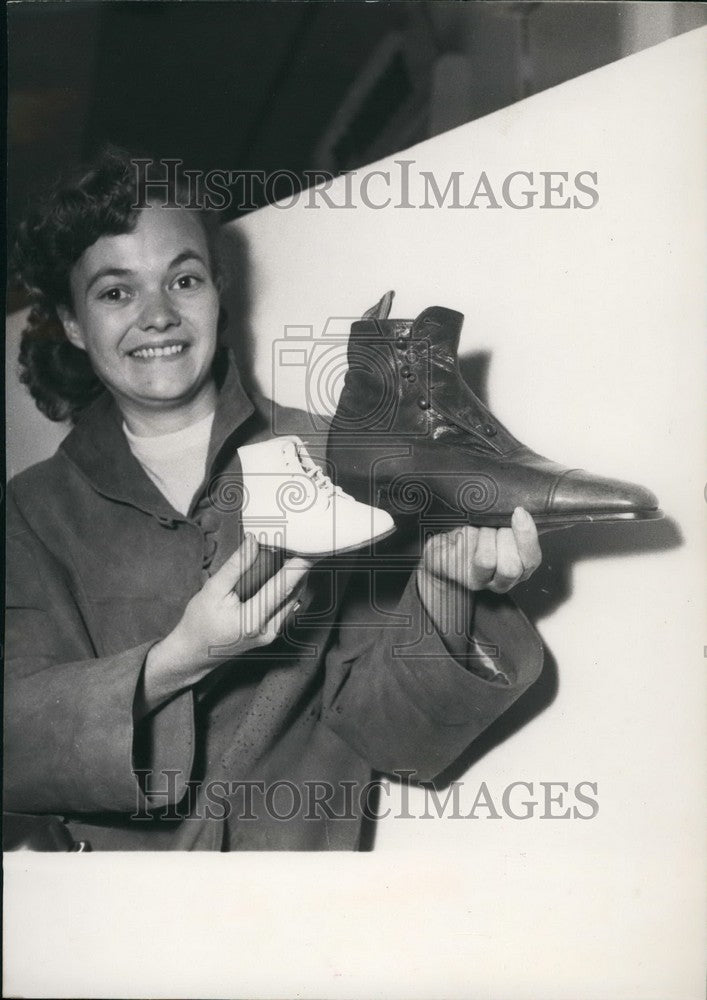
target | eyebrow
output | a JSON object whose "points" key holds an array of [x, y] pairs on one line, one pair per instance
{"points": [[122, 272]]}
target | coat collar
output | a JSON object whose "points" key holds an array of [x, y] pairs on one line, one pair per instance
{"points": [[98, 447]]}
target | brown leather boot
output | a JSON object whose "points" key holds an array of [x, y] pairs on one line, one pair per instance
{"points": [[409, 435]]}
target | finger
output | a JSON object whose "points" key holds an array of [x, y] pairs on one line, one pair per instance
{"points": [[509, 567], [449, 554], [226, 578], [526, 538], [439, 551], [466, 540], [465, 543], [485, 557], [263, 604], [280, 620]]}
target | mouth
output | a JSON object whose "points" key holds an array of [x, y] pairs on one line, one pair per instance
{"points": [[149, 352]]}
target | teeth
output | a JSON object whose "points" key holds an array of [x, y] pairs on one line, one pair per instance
{"points": [[157, 352]]}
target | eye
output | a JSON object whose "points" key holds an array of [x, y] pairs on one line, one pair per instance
{"points": [[187, 282], [113, 294]]}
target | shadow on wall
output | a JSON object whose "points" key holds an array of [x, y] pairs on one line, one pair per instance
{"points": [[549, 587]]}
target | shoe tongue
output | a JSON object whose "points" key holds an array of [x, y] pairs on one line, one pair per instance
{"points": [[291, 446], [296, 448]]}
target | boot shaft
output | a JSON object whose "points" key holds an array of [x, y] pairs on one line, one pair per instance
{"points": [[404, 380]]}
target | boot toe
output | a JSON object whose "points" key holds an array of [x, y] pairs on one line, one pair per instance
{"points": [[577, 492]]}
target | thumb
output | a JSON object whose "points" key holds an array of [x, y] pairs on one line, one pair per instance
{"points": [[236, 565]]}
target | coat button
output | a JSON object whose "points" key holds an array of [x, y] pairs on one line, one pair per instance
{"points": [[411, 357], [209, 520], [424, 404], [401, 343], [405, 371], [489, 430]]}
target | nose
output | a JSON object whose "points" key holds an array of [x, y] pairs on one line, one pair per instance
{"points": [[159, 312]]}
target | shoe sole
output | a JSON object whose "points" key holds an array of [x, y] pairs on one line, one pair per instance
{"points": [[335, 552]]}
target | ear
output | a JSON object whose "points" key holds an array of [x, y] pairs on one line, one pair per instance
{"points": [[71, 326]]}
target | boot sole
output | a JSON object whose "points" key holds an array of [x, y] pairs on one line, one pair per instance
{"points": [[440, 513], [543, 520], [565, 520]]}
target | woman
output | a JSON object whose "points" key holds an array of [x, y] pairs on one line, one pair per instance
{"points": [[147, 705]]}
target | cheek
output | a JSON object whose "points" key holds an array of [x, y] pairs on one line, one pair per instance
{"points": [[204, 314], [100, 333]]}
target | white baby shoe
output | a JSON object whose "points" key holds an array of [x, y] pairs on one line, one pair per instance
{"points": [[289, 503]]}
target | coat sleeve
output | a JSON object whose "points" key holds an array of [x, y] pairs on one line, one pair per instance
{"points": [[403, 701], [70, 744]]}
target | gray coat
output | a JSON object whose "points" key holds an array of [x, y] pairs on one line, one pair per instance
{"points": [[273, 750]]}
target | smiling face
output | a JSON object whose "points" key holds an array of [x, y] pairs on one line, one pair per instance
{"points": [[145, 309]]}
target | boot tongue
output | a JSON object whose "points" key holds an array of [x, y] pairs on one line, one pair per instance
{"points": [[381, 310]]}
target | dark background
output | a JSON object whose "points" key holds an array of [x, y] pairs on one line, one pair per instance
{"points": [[288, 85]]}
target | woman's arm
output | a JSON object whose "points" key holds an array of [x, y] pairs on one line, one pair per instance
{"points": [[408, 695], [217, 617], [69, 730], [74, 720], [459, 563]]}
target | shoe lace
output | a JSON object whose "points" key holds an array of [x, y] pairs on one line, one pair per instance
{"points": [[310, 468]]}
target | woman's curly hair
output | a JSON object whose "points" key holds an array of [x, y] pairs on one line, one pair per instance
{"points": [[49, 242]]}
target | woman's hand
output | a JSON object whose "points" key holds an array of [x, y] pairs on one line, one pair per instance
{"points": [[471, 559], [217, 624], [485, 558]]}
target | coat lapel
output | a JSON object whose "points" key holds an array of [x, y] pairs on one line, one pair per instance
{"points": [[98, 447]]}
